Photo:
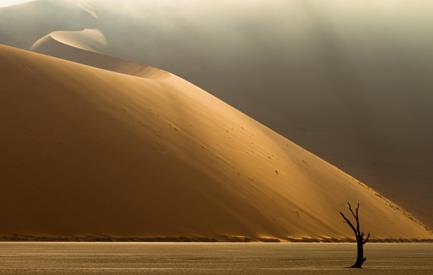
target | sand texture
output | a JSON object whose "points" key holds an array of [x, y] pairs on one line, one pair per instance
{"points": [[215, 258], [87, 152], [350, 82]]}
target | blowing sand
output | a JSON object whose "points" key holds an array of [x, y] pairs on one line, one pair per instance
{"points": [[88, 152]]}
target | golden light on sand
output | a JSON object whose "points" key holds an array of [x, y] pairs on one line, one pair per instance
{"points": [[149, 154]]}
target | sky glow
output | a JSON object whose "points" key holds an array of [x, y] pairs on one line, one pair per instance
{"points": [[5, 3]]}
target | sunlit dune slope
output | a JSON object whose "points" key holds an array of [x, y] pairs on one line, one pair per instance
{"points": [[91, 152], [356, 92], [348, 89]]}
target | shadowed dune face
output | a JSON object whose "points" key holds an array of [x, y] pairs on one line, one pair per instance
{"points": [[88, 151], [350, 81]]}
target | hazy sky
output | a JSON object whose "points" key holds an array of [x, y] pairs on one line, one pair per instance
{"points": [[4, 3]]}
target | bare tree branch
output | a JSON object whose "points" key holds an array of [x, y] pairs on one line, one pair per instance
{"points": [[348, 222], [366, 239], [351, 210]]}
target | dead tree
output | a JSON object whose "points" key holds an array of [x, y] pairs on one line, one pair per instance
{"points": [[360, 237]]}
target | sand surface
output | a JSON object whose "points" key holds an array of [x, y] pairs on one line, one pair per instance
{"points": [[88, 152], [198, 258], [349, 89], [350, 82], [322, 78]]}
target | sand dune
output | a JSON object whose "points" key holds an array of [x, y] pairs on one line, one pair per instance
{"points": [[324, 77], [91, 152], [356, 92]]}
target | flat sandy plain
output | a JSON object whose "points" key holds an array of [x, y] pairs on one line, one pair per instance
{"points": [[211, 258]]}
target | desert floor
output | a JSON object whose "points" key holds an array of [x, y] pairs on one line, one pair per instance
{"points": [[211, 258]]}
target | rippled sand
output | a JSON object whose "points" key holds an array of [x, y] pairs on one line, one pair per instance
{"points": [[214, 258]]}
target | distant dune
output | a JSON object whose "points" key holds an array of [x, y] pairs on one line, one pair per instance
{"points": [[88, 152], [88, 47], [88, 39], [23, 24]]}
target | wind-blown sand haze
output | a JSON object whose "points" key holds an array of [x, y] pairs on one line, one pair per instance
{"points": [[23, 24], [89, 152]]}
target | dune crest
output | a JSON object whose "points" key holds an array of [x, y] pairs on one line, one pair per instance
{"points": [[92, 40], [90, 152], [70, 46]]}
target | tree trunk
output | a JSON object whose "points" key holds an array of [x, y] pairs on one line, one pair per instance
{"points": [[360, 257]]}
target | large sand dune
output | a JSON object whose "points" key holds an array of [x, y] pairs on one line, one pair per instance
{"points": [[350, 81], [91, 152]]}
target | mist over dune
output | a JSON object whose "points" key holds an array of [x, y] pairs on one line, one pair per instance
{"points": [[92, 152], [23, 24], [349, 81]]}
